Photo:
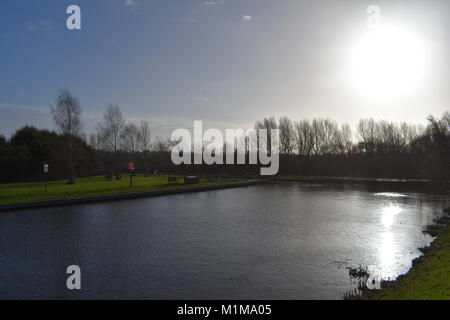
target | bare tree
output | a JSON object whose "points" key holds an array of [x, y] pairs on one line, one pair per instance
{"points": [[304, 137], [162, 144], [268, 124], [388, 137], [316, 132], [346, 138], [67, 117], [330, 137], [93, 141], [439, 131], [145, 140], [366, 133], [286, 135], [110, 131], [130, 137]]}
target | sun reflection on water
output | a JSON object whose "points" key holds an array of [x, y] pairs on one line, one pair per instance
{"points": [[387, 252], [387, 249], [388, 214], [391, 195]]}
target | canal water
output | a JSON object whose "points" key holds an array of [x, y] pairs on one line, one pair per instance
{"points": [[277, 241]]}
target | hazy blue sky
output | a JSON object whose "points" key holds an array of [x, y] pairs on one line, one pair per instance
{"points": [[226, 62]]}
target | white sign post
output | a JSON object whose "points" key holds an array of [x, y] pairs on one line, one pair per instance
{"points": [[45, 175]]}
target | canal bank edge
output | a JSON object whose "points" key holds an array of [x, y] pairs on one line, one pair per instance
{"points": [[429, 276], [123, 196]]}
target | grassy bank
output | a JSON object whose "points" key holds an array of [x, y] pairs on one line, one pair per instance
{"points": [[92, 186], [429, 278]]}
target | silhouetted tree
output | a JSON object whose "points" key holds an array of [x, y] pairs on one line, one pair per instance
{"points": [[110, 131], [130, 137], [287, 135], [67, 117], [145, 141], [346, 139], [267, 124], [304, 137]]}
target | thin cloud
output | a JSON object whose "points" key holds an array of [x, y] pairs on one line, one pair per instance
{"points": [[46, 25], [246, 18], [212, 3], [131, 4], [4, 106]]}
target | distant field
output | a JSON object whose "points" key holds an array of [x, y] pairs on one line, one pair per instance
{"points": [[92, 186]]}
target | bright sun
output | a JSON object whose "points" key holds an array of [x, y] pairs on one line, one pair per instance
{"points": [[387, 63]]}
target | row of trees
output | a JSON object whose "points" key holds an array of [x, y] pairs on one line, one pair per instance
{"points": [[113, 135], [326, 137], [22, 156], [308, 147], [373, 149], [71, 153]]}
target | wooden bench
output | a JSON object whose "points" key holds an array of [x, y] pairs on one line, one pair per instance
{"points": [[191, 179]]}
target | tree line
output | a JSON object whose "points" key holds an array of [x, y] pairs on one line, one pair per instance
{"points": [[326, 137], [373, 149], [311, 147], [70, 153]]}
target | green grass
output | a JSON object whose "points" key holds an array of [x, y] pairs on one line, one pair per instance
{"points": [[92, 186], [429, 279]]}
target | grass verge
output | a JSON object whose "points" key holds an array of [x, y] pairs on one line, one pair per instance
{"points": [[92, 186]]}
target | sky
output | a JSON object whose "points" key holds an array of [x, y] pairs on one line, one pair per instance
{"points": [[225, 62]]}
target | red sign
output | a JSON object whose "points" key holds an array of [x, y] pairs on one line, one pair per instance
{"points": [[131, 166]]}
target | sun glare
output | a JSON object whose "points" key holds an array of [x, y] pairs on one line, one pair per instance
{"points": [[387, 63]]}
